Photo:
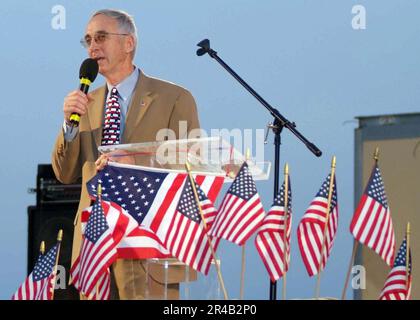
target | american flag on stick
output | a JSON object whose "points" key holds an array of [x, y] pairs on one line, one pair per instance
{"points": [[241, 211], [106, 226], [270, 237], [39, 285], [187, 235], [311, 228], [372, 224], [398, 283]]}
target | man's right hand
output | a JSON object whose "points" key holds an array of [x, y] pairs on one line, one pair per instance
{"points": [[101, 162], [75, 102]]}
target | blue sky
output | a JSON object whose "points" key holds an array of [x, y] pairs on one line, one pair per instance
{"points": [[303, 57]]}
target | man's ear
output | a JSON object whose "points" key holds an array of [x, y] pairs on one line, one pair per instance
{"points": [[130, 44]]}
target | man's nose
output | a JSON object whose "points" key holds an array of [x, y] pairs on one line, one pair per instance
{"points": [[93, 47]]}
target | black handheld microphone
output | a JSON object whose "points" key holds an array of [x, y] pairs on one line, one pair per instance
{"points": [[87, 74]]}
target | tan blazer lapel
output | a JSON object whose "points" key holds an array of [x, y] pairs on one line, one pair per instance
{"points": [[96, 113], [139, 104]]}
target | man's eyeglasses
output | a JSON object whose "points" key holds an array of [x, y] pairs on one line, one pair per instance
{"points": [[99, 38]]}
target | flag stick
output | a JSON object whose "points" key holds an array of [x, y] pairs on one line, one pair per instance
{"points": [[356, 243], [346, 282], [76, 218], [59, 239], [286, 222], [407, 261], [241, 292], [327, 218], [219, 273]]}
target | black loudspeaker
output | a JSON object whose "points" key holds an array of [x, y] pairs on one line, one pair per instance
{"points": [[46, 219]]}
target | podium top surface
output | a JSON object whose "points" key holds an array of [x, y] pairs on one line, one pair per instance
{"points": [[212, 155]]}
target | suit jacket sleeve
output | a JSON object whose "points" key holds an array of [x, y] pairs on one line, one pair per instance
{"points": [[66, 159]]}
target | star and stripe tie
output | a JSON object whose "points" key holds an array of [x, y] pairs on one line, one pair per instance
{"points": [[111, 131]]}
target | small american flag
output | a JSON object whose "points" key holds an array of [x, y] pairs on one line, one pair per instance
{"points": [[150, 196], [241, 211], [270, 237], [372, 224], [187, 238], [311, 228], [101, 236], [398, 283], [39, 285]]}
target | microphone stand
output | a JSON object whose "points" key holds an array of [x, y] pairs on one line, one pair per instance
{"points": [[279, 123]]}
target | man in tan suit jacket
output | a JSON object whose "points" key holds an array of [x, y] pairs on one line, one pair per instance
{"points": [[153, 104]]}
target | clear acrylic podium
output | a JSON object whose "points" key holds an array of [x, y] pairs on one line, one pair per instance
{"points": [[212, 156], [188, 284], [206, 156]]}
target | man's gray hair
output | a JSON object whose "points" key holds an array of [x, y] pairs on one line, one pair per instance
{"points": [[125, 22]]}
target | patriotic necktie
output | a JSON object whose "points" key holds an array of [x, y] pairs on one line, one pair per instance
{"points": [[111, 130]]}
